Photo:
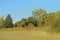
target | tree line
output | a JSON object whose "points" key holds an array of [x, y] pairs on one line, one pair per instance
{"points": [[39, 18]]}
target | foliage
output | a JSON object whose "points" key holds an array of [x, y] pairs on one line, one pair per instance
{"points": [[50, 18], [8, 22], [1, 21], [40, 15], [39, 18], [25, 22], [32, 20], [21, 23], [56, 23]]}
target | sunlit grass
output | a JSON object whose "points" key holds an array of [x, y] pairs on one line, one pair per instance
{"points": [[23, 34]]}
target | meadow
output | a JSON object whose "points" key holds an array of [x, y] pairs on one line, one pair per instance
{"points": [[23, 34], [29, 20]]}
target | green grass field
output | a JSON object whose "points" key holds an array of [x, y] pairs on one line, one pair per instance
{"points": [[14, 34]]}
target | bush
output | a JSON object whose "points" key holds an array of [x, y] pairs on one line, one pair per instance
{"points": [[55, 27]]}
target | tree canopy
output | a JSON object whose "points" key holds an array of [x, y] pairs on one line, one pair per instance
{"points": [[8, 23]]}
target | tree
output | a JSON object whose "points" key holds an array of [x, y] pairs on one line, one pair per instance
{"points": [[32, 20], [1, 21], [40, 15], [8, 22], [21, 23], [55, 27], [25, 22], [50, 18]]}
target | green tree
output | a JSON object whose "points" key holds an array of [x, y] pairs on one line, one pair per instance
{"points": [[40, 15], [23, 21], [8, 22], [32, 20]]}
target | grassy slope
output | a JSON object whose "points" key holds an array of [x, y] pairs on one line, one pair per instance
{"points": [[16, 34]]}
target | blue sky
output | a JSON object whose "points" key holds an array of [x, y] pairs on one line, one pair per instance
{"points": [[23, 8]]}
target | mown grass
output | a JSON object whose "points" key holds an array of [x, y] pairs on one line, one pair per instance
{"points": [[24, 34]]}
